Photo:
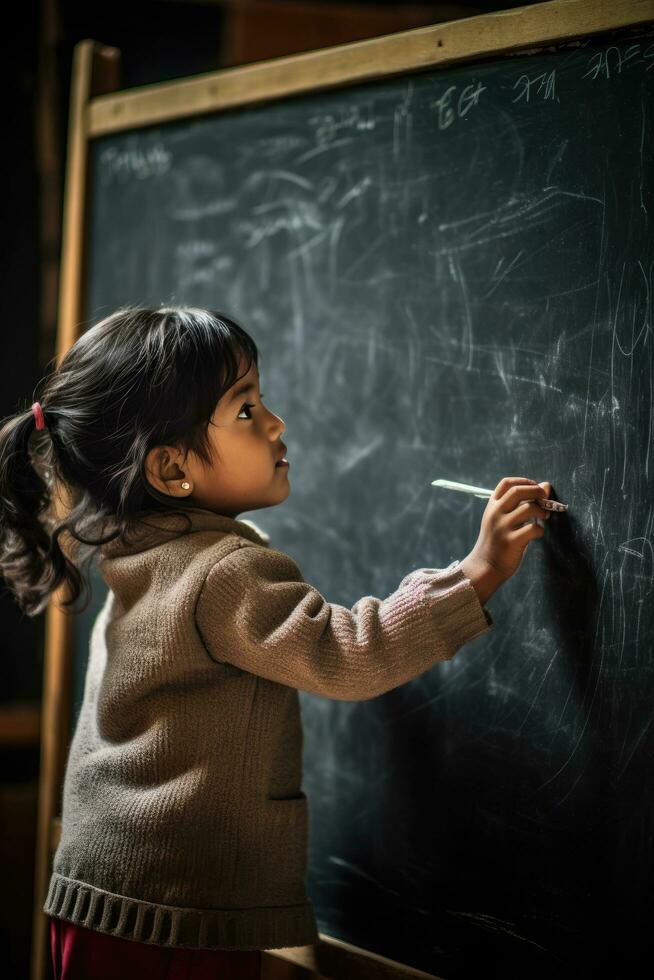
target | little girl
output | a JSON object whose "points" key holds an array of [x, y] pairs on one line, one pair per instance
{"points": [[183, 848]]}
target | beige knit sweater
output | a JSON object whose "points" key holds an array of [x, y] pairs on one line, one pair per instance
{"points": [[183, 818]]}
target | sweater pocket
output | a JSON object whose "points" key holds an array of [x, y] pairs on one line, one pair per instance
{"points": [[284, 849]]}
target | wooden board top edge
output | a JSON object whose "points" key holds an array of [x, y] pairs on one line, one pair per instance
{"points": [[436, 45]]}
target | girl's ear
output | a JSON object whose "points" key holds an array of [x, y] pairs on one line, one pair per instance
{"points": [[163, 472]]}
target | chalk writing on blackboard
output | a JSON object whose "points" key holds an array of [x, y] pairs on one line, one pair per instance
{"points": [[451, 107], [134, 161], [543, 85], [612, 60]]}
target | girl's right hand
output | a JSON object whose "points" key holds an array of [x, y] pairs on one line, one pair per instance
{"points": [[504, 535]]}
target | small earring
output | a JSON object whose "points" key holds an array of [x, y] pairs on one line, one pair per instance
{"points": [[186, 486]]}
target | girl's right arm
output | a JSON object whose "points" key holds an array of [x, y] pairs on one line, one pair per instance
{"points": [[256, 612]]}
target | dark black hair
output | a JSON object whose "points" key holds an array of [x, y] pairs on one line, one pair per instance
{"points": [[140, 378]]}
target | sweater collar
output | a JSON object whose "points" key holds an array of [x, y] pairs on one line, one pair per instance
{"points": [[157, 527]]}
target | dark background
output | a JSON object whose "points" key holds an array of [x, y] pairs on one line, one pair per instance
{"points": [[158, 41]]}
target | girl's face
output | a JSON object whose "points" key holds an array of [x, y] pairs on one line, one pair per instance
{"points": [[245, 439]]}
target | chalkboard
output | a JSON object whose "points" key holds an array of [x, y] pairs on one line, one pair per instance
{"points": [[449, 274]]}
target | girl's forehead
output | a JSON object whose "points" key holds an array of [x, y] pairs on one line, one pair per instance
{"points": [[247, 370], [246, 364], [247, 377]]}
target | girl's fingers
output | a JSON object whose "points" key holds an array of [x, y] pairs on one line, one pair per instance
{"points": [[526, 534], [527, 509], [511, 481], [524, 512], [518, 494]]}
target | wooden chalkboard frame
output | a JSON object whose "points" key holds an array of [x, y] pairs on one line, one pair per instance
{"points": [[97, 108]]}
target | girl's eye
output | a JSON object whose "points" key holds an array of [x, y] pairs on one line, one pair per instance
{"points": [[248, 406]]}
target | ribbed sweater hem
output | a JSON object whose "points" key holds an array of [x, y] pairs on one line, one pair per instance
{"points": [[265, 927]]}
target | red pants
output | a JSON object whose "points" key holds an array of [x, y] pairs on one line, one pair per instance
{"points": [[84, 954]]}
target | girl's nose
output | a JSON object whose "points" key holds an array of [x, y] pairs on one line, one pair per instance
{"points": [[279, 426]]}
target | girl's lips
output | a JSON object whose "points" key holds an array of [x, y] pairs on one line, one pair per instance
{"points": [[281, 463]]}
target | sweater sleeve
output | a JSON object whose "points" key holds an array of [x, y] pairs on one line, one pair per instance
{"points": [[256, 612]]}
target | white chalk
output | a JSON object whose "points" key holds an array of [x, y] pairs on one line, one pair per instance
{"points": [[545, 503]]}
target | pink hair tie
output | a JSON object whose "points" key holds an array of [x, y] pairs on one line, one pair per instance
{"points": [[38, 415]]}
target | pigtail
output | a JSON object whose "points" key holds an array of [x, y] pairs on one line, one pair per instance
{"points": [[32, 561]]}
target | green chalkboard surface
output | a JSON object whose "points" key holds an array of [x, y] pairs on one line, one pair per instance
{"points": [[449, 274]]}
